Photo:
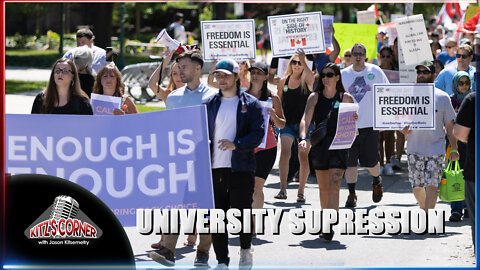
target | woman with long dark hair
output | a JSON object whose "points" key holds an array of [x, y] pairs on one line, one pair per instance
{"points": [[329, 165], [63, 94], [265, 157]]}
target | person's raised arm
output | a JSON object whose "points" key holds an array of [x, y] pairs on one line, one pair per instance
{"points": [[309, 76], [336, 48], [154, 83]]}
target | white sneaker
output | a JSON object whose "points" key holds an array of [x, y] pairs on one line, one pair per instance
{"points": [[246, 258], [381, 170], [388, 169]]}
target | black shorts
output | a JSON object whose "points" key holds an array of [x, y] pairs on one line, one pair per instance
{"points": [[264, 162], [365, 149], [324, 159]]}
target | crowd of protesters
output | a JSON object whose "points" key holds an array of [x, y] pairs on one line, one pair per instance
{"points": [[301, 99]]}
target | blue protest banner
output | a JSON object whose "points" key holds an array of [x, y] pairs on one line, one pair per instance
{"points": [[147, 160]]}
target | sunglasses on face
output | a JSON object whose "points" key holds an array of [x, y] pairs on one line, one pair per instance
{"points": [[386, 56], [242, 63], [62, 71], [464, 56], [295, 62], [423, 72], [347, 55], [462, 83], [328, 75], [449, 47]]}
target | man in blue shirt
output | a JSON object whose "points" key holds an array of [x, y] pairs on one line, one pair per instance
{"points": [[448, 55], [464, 56]]}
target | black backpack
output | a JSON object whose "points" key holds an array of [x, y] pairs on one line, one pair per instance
{"points": [[171, 31]]}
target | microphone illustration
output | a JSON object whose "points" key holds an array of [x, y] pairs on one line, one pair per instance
{"points": [[64, 207]]}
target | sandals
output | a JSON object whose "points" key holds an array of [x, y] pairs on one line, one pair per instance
{"points": [[300, 198], [281, 195]]}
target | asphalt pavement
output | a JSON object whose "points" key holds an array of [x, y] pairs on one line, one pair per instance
{"points": [[288, 251]]}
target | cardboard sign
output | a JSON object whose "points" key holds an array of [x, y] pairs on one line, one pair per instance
{"points": [[266, 105], [104, 105], [398, 105], [366, 17], [413, 37], [296, 31], [408, 73], [346, 127], [129, 162], [347, 34], [228, 38]]}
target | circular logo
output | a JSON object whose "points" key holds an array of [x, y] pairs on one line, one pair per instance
{"points": [[371, 76]]}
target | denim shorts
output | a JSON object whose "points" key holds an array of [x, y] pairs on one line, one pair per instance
{"points": [[293, 131]]}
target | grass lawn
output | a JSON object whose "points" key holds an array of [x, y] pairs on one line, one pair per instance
{"points": [[12, 86], [143, 108], [46, 58]]}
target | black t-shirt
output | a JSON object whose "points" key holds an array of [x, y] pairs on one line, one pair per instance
{"points": [[76, 105], [466, 118], [86, 82]]}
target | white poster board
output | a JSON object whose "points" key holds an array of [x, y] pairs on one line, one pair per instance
{"points": [[104, 105], [283, 64], [408, 73], [413, 37], [366, 17], [266, 117], [398, 105], [228, 38], [346, 127], [296, 31]]}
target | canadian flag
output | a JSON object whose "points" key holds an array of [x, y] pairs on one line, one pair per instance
{"points": [[294, 42], [451, 13], [472, 25], [374, 8]]}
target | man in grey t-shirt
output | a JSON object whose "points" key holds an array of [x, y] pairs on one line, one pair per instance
{"points": [[426, 148]]}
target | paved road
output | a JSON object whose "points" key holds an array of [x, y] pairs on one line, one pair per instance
{"points": [[454, 248]]}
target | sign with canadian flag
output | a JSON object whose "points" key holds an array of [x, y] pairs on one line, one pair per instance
{"points": [[296, 31]]}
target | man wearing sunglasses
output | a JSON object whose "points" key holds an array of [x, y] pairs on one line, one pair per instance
{"points": [[358, 80], [448, 56], [464, 56], [426, 148]]}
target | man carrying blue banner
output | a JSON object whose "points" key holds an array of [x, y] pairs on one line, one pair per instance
{"points": [[236, 127], [195, 92]]}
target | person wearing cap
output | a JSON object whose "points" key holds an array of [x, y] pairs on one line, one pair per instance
{"points": [[265, 156], [83, 59], [85, 37], [235, 128], [358, 80], [193, 93], [464, 56], [448, 55], [426, 148]]}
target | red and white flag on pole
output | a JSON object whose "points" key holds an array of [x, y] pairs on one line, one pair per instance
{"points": [[374, 8]]}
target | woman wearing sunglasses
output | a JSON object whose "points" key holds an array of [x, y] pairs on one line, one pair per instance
{"points": [[293, 90], [109, 83], [329, 165], [265, 157], [63, 94], [461, 88]]}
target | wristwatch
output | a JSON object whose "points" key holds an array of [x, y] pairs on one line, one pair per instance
{"points": [[301, 139]]}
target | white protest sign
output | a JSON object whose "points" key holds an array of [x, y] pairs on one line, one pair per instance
{"points": [[398, 105], [394, 17], [366, 17], [228, 38], [296, 31], [104, 105], [266, 105], [283, 64], [392, 34], [412, 35], [408, 73], [167, 41], [346, 127]]}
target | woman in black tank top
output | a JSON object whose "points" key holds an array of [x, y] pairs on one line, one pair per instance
{"points": [[329, 165], [293, 90]]}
